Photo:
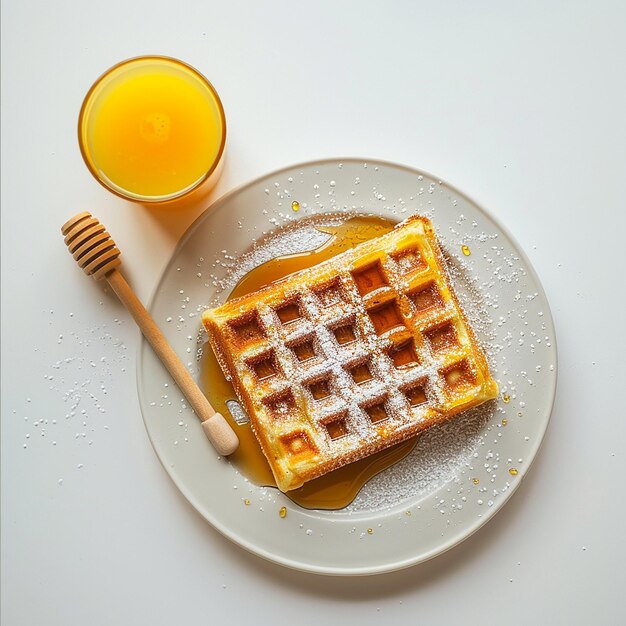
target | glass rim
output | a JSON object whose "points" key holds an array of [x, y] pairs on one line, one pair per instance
{"points": [[89, 99]]}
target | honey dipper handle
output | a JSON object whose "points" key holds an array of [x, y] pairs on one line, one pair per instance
{"points": [[216, 428]]}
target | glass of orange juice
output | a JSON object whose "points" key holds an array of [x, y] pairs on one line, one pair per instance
{"points": [[152, 129]]}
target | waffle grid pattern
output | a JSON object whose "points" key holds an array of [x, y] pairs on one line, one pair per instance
{"points": [[349, 357]]}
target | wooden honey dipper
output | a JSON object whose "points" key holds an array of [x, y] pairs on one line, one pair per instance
{"points": [[96, 253]]}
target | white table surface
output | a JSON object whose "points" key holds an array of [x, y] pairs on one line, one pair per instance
{"points": [[520, 105]]}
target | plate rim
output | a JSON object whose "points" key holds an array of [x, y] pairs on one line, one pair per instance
{"points": [[422, 557]]}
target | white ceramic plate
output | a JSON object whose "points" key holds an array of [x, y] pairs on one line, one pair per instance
{"points": [[453, 481]]}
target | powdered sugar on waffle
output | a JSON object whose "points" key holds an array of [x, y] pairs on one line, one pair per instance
{"points": [[442, 452]]}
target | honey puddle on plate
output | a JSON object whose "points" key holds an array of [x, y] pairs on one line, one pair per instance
{"points": [[336, 489]]}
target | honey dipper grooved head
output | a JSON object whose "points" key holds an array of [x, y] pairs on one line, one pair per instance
{"points": [[91, 245]]}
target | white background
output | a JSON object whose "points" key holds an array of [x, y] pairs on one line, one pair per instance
{"points": [[520, 105]]}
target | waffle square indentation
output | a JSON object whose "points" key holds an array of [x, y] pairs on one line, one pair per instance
{"points": [[369, 278], [264, 366], [298, 444], [289, 312], [426, 297], [458, 376], [442, 338], [303, 350], [361, 373], [337, 428], [282, 406], [404, 354], [247, 328], [416, 394], [385, 317], [344, 334], [319, 389], [377, 412]]}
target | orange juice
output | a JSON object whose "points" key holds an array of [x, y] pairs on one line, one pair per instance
{"points": [[152, 129]]}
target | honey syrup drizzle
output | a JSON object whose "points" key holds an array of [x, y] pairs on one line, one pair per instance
{"points": [[338, 488]]}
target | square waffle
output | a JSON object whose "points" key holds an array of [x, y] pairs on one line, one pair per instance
{"points": [[351, 356]]}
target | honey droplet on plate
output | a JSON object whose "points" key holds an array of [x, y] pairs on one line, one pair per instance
{"points": [[513, 472], [475, 481], [295, 205], [370, 531], [507, 398], [466, 251], [283, 512], [246, 502], [504, 421]]}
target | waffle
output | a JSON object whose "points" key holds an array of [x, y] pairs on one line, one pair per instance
{"points": [[351, 356]]}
